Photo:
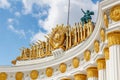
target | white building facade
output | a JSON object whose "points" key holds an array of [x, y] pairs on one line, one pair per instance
{"points": [[96, 58]]}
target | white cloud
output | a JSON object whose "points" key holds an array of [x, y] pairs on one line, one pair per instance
{"points": [[17, 14], [29, 3], [20, 32], [40, 14], [38, 36], [57, 13], [10, 20], [4, 4]]}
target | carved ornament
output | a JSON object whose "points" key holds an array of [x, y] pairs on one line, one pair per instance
{"points": [[49, 72], [19, 76], [113, 38], [115, 13], [106, 53], [34, 74], [101, 63], [96, 46], [3, 76], [87, 54], [62, 67], [57, 37], [75, 62], [80, 77], [92, 72], [102, 35]]}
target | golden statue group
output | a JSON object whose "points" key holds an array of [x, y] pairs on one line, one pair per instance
{"points": [[64, 37]]}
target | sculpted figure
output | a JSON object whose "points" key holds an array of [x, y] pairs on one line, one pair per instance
{"points": [[87, 16]]}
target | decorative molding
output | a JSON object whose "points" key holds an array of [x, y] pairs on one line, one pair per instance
{"points": [[115, 13]]}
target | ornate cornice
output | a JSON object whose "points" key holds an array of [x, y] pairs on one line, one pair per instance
{"points": [[79, 77], [113, 38], [106, 53], [101, 63], [92, 72]]}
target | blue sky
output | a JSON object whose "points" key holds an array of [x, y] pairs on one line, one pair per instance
{"points": [[25, 21]]}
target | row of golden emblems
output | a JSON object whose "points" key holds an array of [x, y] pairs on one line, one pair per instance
{"points": [[115, 13]]}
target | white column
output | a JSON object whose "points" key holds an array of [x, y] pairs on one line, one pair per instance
{"points": [[115, 62], [93, 78], [106, 53], [92, 73], [101, 69], [114, 58]]}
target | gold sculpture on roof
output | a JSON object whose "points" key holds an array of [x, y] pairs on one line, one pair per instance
{"points": [[115, 13], [57, 37], [64, 37]]}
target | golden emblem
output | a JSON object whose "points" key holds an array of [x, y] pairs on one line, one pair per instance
{"points": [[3, 76], [34, 74], [19, 76], [87, 54], [57, 37], [102, 35], [62, 67], [96, 46], [106, 53], [75, 62], [49, 72], [106, 21], [115, 13]]}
